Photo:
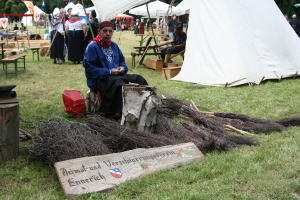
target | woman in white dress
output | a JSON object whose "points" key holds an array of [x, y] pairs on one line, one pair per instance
{"points": [[76, 29]]}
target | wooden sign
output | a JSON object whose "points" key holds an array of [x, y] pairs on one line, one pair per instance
{"points": [[98, 173]]}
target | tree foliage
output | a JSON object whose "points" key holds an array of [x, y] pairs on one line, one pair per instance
{"points": [[287, 7]]}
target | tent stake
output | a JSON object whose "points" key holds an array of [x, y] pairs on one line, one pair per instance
{"points": [[262, 79], [295, 74]]}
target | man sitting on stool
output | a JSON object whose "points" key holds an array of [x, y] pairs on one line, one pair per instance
{"points": [[106, 70], [178, 45]]}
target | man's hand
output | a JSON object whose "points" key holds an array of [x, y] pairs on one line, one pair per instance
{"points": [[116, 71], [121, 70]]}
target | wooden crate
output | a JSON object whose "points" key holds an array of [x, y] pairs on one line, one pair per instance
{"points": [[153, 63], [170, 72], [170, 64]]}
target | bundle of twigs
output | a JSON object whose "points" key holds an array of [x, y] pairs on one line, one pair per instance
{"points": [[57, 141], [219, 122], [205, 139], [119, 138]]}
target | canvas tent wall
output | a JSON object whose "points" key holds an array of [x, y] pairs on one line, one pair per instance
{"points": [[235, 42], [27, 21]]}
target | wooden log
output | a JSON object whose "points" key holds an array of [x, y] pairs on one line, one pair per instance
{"points": [[9, 131], [140, 105], [153, 63]]}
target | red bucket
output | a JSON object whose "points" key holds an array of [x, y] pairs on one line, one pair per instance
{"points": [[74, 103]]}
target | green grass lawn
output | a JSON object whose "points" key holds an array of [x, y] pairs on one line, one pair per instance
{"points": [[268, 171]]}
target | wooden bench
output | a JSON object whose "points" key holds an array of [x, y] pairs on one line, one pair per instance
{"points": [[13, 59], [35, 50]]}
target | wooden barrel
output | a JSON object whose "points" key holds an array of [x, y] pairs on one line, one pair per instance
{"points": [[9, 128]]}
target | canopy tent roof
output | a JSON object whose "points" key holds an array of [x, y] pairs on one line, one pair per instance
{"points": [[108, 9], [27, 21], [70, 5], [246, 46], [124, 16], [79, 7], [156, 8]]}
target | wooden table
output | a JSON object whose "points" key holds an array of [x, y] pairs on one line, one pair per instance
{"points": [[144, 36]]}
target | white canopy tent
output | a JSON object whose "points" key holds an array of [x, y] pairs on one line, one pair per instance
{"points": [[184, 5], [69, 5], [27, 21], [156, 8], [235, 42], [108, 9]]}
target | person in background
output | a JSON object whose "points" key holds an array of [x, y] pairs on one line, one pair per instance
{"points": [[287, 17], [68, 13], [172, 24], [122, 24], [117, 25], [131, 24], [148, 25], [142, 27], [63, 16], [22, 28], [92, 27], [106, 70], [16, 27], [178, 45], [136, 26], [76, 31], [57, 48], [295, 24]]}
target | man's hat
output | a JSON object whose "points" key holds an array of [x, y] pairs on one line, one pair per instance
{"points": [[105, 24]]}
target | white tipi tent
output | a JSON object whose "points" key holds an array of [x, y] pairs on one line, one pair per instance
{"points": [[27, 21], [230, 42], [235, 42]]}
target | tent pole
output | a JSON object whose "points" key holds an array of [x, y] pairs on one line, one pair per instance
{"points": [[150, 25], [88, 20]]}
